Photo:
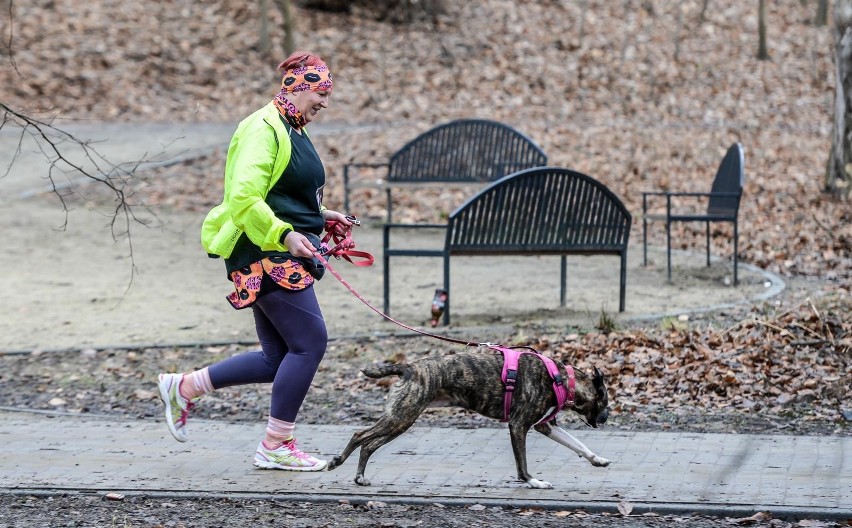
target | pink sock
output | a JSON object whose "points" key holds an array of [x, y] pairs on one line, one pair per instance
{"points": [[195, 384], [277, 432]]}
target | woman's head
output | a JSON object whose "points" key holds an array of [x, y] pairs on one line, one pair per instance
{"points": [[306, 82], [300, 59]]}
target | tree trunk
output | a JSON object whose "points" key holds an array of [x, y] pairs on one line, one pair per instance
{"points": [[839, 174], [584, 7], [678, 31], [762, 53], [821, 18], [289, 40], [264, 45], [703, 16]]}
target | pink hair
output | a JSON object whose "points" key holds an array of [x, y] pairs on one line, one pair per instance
{"points": [[300, 59]]}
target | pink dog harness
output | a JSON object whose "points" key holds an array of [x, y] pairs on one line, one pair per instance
{"points": [[564, 396]]}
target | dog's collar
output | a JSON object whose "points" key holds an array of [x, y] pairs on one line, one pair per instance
{"points": [[564, 389]]}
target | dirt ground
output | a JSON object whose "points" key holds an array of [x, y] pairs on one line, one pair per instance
{"points": [[80, 287]]}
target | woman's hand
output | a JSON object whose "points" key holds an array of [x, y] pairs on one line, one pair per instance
{"points": [[298, 245], [343, 223]]}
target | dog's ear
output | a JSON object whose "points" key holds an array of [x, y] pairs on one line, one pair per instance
{"points": [[598, 383]]}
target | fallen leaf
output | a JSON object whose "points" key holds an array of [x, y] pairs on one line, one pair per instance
{"points": [[144, 394], [624, 508], [757, 517]]}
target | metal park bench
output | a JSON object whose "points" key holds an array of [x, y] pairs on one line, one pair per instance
{"points": [[723, 205], [465, 151], [538, 211]]}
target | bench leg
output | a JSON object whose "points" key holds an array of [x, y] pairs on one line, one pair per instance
{"points": [[623, 286], [735, 253], [346, 189], [707, 224], [386, 268], [386, 275], [563, 278], [669, 248], [389, 204], [644, 241], [447, 289]]}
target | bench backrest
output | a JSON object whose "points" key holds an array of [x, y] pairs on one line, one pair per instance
{"points": [[465, 150], [730, 178], [544, 210]]}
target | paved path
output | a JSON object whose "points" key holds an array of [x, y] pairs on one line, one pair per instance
{"points": [[797, 476], [722, 474]]}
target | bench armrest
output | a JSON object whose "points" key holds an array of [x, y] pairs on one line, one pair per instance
{"points": [[348, 166], [670, 194], [346, 186], [706, 194], [365, 165], [388, 227], [386, 230]]}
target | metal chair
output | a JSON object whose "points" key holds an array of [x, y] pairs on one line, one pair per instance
{"points": [[723, 204]]}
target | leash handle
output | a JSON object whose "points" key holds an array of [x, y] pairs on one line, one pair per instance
{"points": [[341, 236]]}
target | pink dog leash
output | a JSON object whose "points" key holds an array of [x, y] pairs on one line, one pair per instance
{"points": [[342, 237]]}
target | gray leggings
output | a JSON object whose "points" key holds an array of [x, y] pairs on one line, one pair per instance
{"points": [[293, 338]]}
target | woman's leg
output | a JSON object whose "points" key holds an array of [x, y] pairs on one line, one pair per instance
{"points": [[258, 366], [180, 392], [298, 321]]}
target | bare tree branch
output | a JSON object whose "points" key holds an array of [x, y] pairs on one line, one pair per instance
{"points": [[115, 178]]}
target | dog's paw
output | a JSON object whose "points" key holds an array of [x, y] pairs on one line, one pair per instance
{"points": [[361, 481], [599, 461], [539, 484], [333, 463]]}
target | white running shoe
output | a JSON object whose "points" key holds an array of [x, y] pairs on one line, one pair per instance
{"points": [[177, 407], [287, 456]]}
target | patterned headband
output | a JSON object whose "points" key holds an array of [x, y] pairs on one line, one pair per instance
{"points": [[313, 78]]}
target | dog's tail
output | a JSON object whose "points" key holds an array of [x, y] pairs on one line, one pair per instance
{"points": [[396, 369]]}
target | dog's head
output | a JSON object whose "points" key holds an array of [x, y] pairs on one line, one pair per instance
{"points": [[591, 399]]}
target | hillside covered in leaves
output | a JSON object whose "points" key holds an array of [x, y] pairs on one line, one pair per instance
{"points": [[640, 95]]}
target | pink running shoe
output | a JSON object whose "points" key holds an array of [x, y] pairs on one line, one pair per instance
{"points": [[287, 456], [177, 407]]}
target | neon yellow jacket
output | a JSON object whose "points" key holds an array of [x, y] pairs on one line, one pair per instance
{"points": [[257, 156]]}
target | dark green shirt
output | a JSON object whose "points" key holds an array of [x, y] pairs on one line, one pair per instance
{"points": [[295, 198]]}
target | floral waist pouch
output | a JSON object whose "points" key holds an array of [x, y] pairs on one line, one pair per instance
{"points": [[288, 273]]}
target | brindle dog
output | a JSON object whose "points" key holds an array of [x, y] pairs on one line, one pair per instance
{"points": [[473, 381]]}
